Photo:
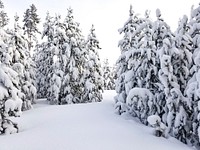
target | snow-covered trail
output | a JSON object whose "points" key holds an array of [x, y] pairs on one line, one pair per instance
{"points": [[92, 126]]}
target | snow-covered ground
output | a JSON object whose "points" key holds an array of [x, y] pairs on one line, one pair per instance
{"points": [[92, 126]]}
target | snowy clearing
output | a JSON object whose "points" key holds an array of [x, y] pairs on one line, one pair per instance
{"points": [[92, 126]]}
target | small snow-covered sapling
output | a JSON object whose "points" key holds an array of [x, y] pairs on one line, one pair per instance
{"points": [[155, 122]]}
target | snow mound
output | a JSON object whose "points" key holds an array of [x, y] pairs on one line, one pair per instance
{"points": [[92, 126]]}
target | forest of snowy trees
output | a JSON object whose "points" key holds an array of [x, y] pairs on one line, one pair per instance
{"points": [[156, 77], [56, 62], [158, 74]]}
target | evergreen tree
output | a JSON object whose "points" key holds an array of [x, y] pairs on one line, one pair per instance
{"points": [[192, 90], [93, 87], [3, 16], [31, 21], [61, 41], [20, 63], [144, 63], [168, 55], [44, 57], [108, 75], [61, 52], [72, 87], [141, 71], [114, 76], [182, 126], [125, 45], [9, 82], [184, 45]]}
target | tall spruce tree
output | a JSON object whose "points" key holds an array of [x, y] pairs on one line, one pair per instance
{"points": [[125, 45], [92, 77], [31, 20], [3, 16], [9, 81], [182, 127], [141, 71], [145, 66], [168, 55], [108, 75], [74, 52], [21, 63], [44, 57], [192, 90], [61, 52]]}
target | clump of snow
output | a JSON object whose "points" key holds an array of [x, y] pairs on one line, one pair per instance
{"points": [[158, 13], [141, 92], [14, 106], [153, 120]]}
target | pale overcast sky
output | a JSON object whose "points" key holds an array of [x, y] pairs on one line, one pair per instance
{"points": [[106, 15]]}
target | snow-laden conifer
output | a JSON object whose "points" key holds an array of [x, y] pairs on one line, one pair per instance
{"points": [[182, 125], [122, 66], [44, 57], [3, 16], [21, 63], [31, 21], [140, 58], [10, 95], [93, 77], [72, 59], [184, 45], [168, 55], [108, 75], [192, 90]]}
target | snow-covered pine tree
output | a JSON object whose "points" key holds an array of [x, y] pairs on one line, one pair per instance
{"points": [[108, 75], [10, 94], [145, 66], [193, 86], [168, 55], [183, 126], [39, 58], [61, 42], [159, 93], [74, 52], [61, 53], [3, 16], [143, 71], [114, 76], [19, 63], [24, 64], [31, 20], [44, 57], [56, 57], [184, 45], [92, 76], [56, 76], [121, 65]]}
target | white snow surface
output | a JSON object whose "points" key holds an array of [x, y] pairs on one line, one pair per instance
{"points": [[92, 126]]}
